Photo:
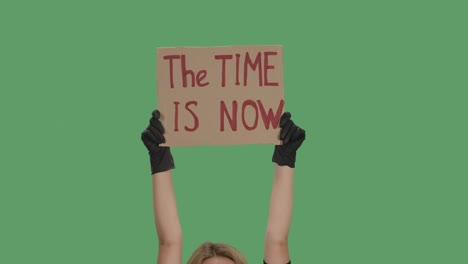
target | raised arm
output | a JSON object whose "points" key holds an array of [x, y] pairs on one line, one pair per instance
{"points": [[166, 219], [281, 201], [164, 202]]}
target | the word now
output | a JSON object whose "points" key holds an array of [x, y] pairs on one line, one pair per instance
{"points": [[267, 117]]}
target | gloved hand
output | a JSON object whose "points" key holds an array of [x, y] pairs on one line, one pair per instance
{"points": [[292, 137], [160, 157]]}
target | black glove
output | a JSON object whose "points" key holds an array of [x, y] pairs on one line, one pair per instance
{"points": [[160, 157], [292, 137]]}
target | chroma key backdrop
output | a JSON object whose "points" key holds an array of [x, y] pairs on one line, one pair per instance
{"points": [[380, 87]]}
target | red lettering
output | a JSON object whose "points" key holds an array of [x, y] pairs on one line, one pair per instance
{"points": [[223, 67], [195, 117], [186, 72], [268, 67], [254, 105], [200, 76], [176, 119], [171, 66], [270, 117], [231, 118], [237, 69], [253, 66]]}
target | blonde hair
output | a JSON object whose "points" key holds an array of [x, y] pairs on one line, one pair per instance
{"points": [[208, 250]]}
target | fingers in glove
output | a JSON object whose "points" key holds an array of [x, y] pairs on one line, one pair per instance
{"points": [[155, 123], [298, 136], [285, 118], [287, 131], [149, 140], [156, 114], [157, 135]]}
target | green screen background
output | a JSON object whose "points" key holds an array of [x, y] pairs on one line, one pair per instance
{"points": [[379, 86]]}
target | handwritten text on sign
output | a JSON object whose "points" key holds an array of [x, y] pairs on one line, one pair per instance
{"points": [[220, 95]]}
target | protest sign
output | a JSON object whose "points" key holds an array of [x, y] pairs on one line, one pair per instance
{"points": [[220, 95]]}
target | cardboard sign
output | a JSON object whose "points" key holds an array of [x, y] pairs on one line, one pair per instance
{"points": [[220, 95]]}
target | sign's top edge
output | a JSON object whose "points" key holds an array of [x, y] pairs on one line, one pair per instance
{"points": [[230, 46]]}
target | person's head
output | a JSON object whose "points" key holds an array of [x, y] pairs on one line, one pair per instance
{"points": [[216, 253]]}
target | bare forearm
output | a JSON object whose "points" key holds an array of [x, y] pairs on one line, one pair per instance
{"points": [[279, 217], [281, 204], [165, 210]]}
